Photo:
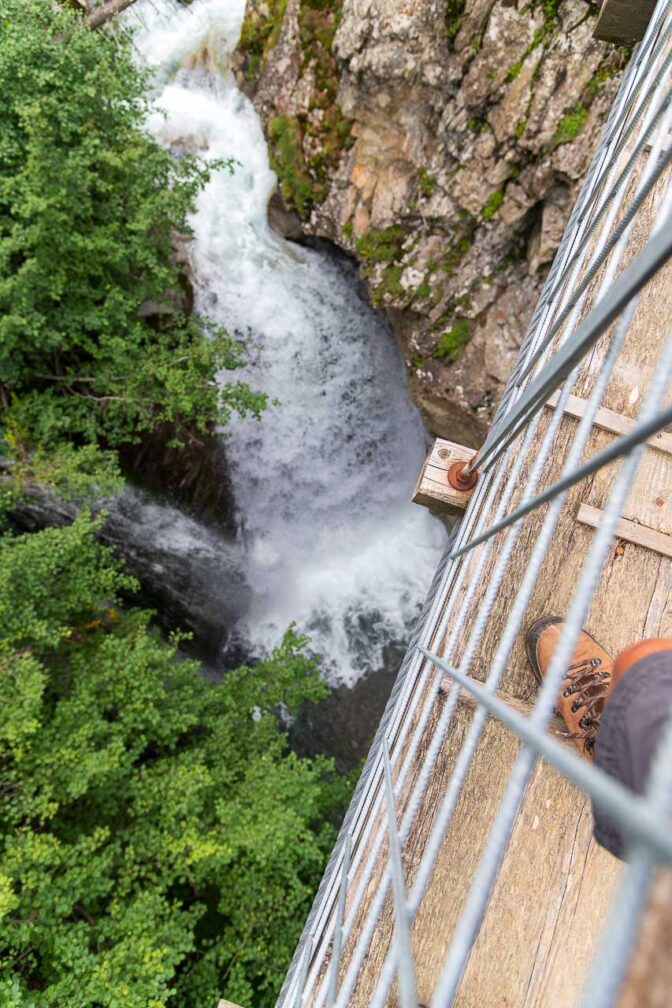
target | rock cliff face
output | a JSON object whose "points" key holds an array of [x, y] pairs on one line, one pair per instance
{"points": [[442, 143]]}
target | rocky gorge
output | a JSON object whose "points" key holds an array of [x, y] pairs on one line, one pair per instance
{"points": [[442, 144], [436, 148]]}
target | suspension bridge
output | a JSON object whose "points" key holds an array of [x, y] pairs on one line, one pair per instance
{"points": [[465, 872]]}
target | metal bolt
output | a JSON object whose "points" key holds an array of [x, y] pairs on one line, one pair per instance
{"points": [[443, 453]]}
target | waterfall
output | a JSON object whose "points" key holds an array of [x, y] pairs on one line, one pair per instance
{"points": [[327, 535]]}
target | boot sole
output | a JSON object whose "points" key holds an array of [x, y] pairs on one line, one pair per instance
{"points": [[531, 639]]}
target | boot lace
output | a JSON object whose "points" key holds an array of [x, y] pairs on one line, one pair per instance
{"points": [[589, 685]]}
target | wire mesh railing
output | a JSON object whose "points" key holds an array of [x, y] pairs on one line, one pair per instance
{"points": [[617, 241]]}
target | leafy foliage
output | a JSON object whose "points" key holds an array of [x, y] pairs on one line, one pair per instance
{"points": [[158, 842], [90, 206], [451, 342]]}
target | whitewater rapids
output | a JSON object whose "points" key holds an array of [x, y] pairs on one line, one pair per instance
{"points": [[327, 535]]}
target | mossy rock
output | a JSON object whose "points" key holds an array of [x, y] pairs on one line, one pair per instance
{"points": [[492, 204], [260, 32], [382, 244], [570, 125], [389, 287], [304, 150], [299, 190]]}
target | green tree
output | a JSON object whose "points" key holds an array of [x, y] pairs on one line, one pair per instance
{"points": [[159, 843], [90, 206]]}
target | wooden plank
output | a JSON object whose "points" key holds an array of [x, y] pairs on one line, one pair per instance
{"points": [[611, 421], [623, 21], [227, 1004], [555, 879], [632, 532], [433, 489], [557, 726], [649, 980]]}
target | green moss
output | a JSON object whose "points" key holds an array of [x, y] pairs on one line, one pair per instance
{"points": [[514, 169], [298, 189], [348, 230], [492, 204], [451, 342], [537, 39], [571, 125], [305, 150], [260, 34], [389, 286], [455, 254], [612, 64], [514, 70], [426, 182], [551, 12], [423, 290], [521, 126], [462, 242], [478, 125], [418, 361], [327, 134], [454, 11], [382, 244]]}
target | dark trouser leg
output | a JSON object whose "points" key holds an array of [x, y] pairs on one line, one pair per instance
{"points": [[630, 727]]}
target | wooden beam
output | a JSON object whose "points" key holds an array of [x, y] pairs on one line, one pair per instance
{"points": [[433, 489], [611, 421], [640, 535], [227, 1004], [623, 21]]}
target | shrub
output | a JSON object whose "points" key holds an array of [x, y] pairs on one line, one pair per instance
{"points": [[159, 843]]}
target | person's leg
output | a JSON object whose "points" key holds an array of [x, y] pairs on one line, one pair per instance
{"points": [[614, 711], [632, 721]]}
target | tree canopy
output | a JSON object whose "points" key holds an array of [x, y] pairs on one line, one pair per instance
{"points": [[90, 207], [159, 843]]}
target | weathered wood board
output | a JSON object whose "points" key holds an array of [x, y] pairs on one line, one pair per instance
{"points": [[630, 531], [433, 489], [649, 981], [623, 21], [611, 421]]}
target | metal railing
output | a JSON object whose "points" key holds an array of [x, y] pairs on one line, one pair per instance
{"points": [[589, 300]]}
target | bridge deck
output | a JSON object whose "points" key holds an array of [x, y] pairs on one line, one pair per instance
{"points": [[554, 889], [556, 884]]}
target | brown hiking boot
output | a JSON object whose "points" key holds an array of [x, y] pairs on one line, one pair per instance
{"points": [[587, 682]]}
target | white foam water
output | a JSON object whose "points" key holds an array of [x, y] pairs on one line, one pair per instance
{"points": [[322, 483]]}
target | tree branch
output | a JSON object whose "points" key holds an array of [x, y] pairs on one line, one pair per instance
{"points": [[102, 15]]}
